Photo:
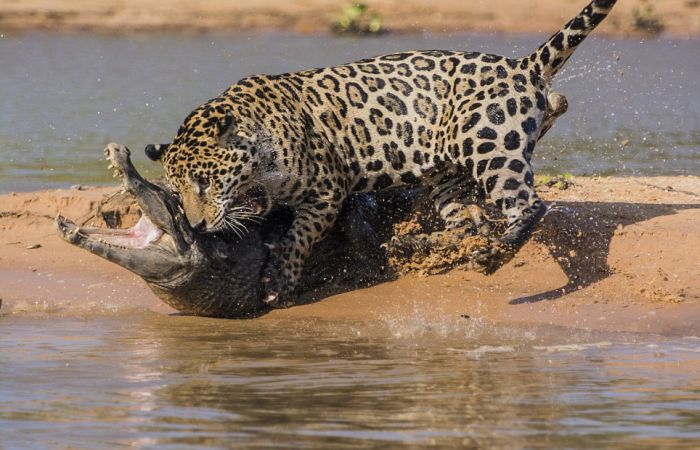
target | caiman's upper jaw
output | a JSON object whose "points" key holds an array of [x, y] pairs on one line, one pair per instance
{"points": [[156, 202]]}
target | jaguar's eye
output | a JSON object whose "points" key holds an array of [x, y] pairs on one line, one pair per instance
{"points": [[203, 181]]}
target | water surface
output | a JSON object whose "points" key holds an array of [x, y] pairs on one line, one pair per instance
{"points": [[634, 105], [138, 379]]}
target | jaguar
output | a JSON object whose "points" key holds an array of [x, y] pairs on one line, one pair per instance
{"points": [[454, 122]]}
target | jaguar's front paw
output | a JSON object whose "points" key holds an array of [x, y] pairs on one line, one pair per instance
{"points": [[277, 289]]}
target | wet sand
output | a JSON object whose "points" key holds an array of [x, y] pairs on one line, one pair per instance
{"points": [[616, 254], [679, 17]]}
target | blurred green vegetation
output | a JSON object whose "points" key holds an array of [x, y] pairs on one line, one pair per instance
{"points": [[646, 20], [357, 20], [561, 181]]}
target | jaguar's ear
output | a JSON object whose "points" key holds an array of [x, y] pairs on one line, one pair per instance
{"points": [[226, 123], [155, 151]]}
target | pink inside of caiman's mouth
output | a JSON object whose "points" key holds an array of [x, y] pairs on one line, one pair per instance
{"points": [[140, 235]]}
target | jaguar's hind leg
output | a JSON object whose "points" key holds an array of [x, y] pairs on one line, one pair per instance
{"points": [[455, 199], [514, 193]]}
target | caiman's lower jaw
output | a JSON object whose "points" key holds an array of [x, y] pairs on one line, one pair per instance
{"points": [[140, 236]]}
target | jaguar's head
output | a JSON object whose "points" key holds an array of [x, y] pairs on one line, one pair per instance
{"points": [[212, 165]]}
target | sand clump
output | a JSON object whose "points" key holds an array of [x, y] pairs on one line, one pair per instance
{"points": [[416, 248]]}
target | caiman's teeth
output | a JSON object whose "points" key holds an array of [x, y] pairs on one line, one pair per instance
{"points": [[113, 245]]}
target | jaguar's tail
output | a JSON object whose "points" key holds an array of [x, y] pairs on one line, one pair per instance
{"points": [[552, 55]]}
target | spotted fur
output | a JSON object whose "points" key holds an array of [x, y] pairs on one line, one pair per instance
{"points": [[460, 122]]}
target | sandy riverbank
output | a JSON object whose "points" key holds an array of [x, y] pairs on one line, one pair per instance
{"points": [[618, 254], [679, 17]]}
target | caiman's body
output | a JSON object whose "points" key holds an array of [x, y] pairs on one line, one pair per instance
{"points": [[215, 275]]}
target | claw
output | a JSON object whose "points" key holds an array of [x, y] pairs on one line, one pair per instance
{"points": [[270, 298]]}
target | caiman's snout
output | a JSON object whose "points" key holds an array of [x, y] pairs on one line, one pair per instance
{"points": [[67, 230], [143, 249]]}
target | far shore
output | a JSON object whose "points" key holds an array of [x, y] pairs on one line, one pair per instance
{"points": [[616, 254], [630, 17]]}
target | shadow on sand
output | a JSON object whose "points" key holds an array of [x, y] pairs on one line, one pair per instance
{"points": [[578, 236]]}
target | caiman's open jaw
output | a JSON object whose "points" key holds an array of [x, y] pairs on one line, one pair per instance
{"points": [[140, 236], [144, 249]]}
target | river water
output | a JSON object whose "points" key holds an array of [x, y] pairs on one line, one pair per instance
{"points": [[143, 380], [135, 378], [634, 105]]}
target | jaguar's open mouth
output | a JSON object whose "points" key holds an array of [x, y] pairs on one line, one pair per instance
{"points": [[255, 200], [140, 236]]}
